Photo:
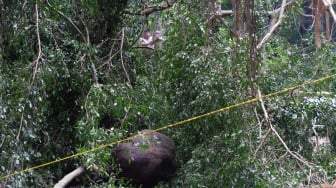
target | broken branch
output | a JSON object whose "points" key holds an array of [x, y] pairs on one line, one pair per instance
{"points": [[69, 177]]}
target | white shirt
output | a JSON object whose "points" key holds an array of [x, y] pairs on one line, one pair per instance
{"points": [[147, 42]]}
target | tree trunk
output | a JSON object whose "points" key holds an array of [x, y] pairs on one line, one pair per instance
{"points": [[317, 23], [244, 29]]}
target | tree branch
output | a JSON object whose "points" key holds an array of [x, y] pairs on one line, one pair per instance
{"points": [[94, 70], [219, 15], [68, 19], [69, 177], [39, 53], [262, 142], [121, 54], [277, 11], [271, 127], [147, 10], [328, 5], [275, 26], [110, 55], [224, 13], [2, 142], [86, 30], [20, 129]]}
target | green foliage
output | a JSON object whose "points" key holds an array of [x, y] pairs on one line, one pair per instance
{"points": [[39, 110], [92, 87], [216, 162]]}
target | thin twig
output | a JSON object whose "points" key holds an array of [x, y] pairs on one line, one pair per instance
{"points": [[111, 55], [20, 129], [316, 138], [281, 157], [258, 119], [94, 71], [39, 53], [86, 30], [145, 47], [125, 116], [2, 142], [86, 104], [81, 61], [309, 177], [262, 142], [121, 54]]}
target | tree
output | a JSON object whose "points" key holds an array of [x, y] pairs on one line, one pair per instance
{"points": [[74, 78]]}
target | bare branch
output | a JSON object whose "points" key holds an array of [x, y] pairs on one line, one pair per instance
{"points": [[110, 55], [258, 119], [224, 13], [275, 26], [39, 53], [262, 142], [94, 71], [277, 11], [86, 30], [328, 5], [69, 177], [2, 142], [20, 129], [144, 47], [293, 154], [316, 139], [121, 54]]}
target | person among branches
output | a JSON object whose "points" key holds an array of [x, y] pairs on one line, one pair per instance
{"points": [[149, 41]]}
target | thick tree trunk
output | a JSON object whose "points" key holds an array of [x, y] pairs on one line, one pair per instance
{"points": [[238, 23], [244, 29]]}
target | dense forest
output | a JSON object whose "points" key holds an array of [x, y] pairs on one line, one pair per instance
{"points": [[246, 91]]}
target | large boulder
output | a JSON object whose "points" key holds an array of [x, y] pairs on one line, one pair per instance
{"points": [[147, 158]]}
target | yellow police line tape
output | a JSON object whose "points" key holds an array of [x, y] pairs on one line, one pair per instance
{"points": [[167, 126]]}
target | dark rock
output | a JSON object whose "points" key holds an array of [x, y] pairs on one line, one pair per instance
{"points": [[146, 159]]}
